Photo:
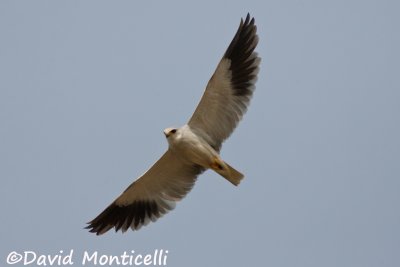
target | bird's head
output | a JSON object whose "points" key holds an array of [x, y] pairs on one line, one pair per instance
{"points": [[170, 132]]}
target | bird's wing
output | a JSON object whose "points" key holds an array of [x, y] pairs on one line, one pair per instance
{"points": [[229, 90], [149, 197]]}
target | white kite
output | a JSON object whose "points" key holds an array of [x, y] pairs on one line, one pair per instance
{"points": [[194, 147]]}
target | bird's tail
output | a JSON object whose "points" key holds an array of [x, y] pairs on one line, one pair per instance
{"points": [[226, 171]]}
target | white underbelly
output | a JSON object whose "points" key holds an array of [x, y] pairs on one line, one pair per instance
{"points": [[196, 151]]}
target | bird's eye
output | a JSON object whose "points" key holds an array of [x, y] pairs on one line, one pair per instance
{"points": [[173, 131]]}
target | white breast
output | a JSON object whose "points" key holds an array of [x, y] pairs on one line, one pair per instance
{"points": [[191, 147]]}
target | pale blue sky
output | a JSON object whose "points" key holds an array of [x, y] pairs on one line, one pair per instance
{"points": [[87, 87]]}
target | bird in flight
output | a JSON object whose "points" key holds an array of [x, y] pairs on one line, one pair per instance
{"points": [[194, 147]]}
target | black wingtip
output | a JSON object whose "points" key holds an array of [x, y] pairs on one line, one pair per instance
{"points": [[243, 59], [125, 217], [245, 30], [248, 17]]}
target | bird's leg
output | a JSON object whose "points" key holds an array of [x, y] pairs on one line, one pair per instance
{"points": [[226, 171], [217, 164]]}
